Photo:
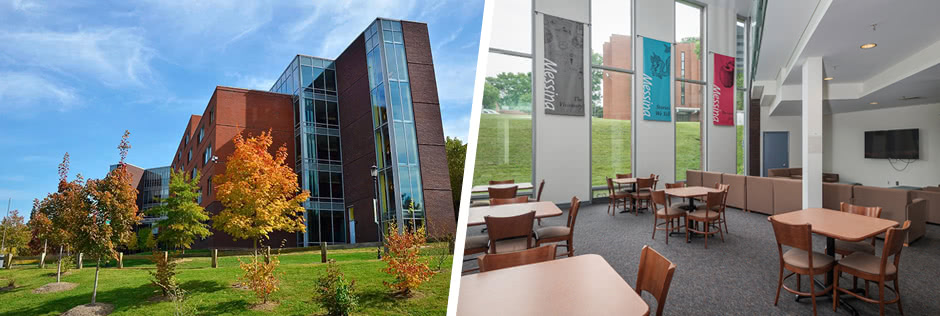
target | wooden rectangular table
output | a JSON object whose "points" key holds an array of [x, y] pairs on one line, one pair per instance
{"points": [[836, 225], [690, 192], [486, 187], [542, 209], [625, 181], [580, 285]]}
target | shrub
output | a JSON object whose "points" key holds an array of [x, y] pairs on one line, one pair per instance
{"points": [[335, 292], [260, 276], [180, 305], [68, 262], [165, 275], [11, 283], [404, 259]]}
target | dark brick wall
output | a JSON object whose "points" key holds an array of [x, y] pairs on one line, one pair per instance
{"points": [[753, 152], [429, 130], [358, 143]]}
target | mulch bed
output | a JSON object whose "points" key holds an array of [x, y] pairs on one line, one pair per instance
{"points": [[97, 309], [55, 287], [267, 307]]}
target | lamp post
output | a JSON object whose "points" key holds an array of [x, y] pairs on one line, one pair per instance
{"points": [[375, 208]]}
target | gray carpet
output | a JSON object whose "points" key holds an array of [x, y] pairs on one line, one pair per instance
{"points": [[739, 276]]}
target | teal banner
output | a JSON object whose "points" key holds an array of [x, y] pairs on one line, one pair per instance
{"points": [[656, 80]]}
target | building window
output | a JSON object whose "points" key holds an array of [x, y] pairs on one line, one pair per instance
{"points": [[209, 186], [189, 157], [211, 116], [202, 131], [682, 65], [207, 155], [193, 175], [682, 88], [185, 139]]}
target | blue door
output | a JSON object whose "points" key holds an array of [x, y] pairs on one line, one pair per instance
{"points": [[776, 150]]}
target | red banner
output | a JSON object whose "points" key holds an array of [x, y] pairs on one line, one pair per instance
{"points": [[723, 91]]}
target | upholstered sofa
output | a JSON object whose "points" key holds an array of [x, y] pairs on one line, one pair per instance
{"points": [[778, 195], [797, 173]]}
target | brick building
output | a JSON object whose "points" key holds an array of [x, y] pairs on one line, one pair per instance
{"points": [[375, 104]]}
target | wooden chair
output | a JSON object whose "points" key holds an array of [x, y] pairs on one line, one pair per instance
{"points": [[707, 216], [614, 197], [503, 193], [512, 200], [846, 248], [508, 260], [723, 219], [625, 176], [644, 188], [875, 269], [800, 259], [552, 234], [509, 234], [655, 178], [492, 182], [538, 197], [474, 245], [654, 276], [674, 186], [665, 210]]}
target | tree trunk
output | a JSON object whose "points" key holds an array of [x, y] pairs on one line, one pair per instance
{"points": [[58, 274], [94, 292], [255, 243]]}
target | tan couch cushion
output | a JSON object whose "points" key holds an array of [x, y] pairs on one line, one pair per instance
{"points": [[893, 202], [760, 195], [710, 179], [933, 189], [788, 195], [737, 193], [693, 178], [835, 193], [779, 172], [796, 172], [933, 204], [917, 214]]}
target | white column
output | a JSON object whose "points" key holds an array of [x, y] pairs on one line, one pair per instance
{"points": [[812, 119]]}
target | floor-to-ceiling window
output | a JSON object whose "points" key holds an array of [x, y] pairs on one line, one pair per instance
{"points": [[504, 146], [689, 95], [611, 89], [741, 94]]}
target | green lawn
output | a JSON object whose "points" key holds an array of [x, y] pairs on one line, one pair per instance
{"points": [[504, 149], [210, 290]]}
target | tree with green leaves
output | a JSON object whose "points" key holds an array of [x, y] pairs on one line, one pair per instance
{"points": [[514, 90], [456, 158], [490, 96], [16, 233], [697, 41], [185, 219]]}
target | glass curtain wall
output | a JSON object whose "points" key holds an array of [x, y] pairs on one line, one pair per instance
{"points": [[690, 87], [611, 90], [401, 199], [312, 83], [504, 146], [741, 93]]}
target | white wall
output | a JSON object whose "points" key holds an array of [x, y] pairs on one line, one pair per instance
{"points": [[562, 144], [721, 144], [654, 142], [844, 146]]}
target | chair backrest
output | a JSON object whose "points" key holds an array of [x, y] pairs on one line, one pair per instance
{"points": [[512, 200], [894, 242], [659, 199], [644, 183], [503, 193], [870, 211], [715, 200], [492, 182], [722, 186], [675, 185], [610, 187], [500, 228], [538, 196], [624, 175], [798, 236], [724, 189], [490, 262], [654, 276], [573, 212]]}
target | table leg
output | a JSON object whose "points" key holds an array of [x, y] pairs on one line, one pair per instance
{"points": [[625, 209]]}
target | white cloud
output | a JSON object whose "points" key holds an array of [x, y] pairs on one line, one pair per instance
{"points": [[345, 20], [23, 90], [455, 80], [26, 5], [115, 56], [252, 82], [457, 127], [13, 178]]}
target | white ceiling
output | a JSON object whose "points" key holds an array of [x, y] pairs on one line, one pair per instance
{"points": [[904, 31]]}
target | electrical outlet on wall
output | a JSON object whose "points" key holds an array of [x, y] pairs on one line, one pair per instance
{"points": [[897, 182]]}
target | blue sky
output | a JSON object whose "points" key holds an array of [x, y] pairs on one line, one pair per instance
{"points": [[75, 74]]}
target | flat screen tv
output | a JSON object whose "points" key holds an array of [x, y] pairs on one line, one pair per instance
{"points": [[893, 144]]}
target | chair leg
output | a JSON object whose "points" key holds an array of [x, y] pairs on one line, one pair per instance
{"points": [[570, 247], [721, 234], [706, 235], [881, 298], [835, 288], [725, 221], [799, 277], [812, 292], [655, 220], [897, 292], [779, 281], [669, 231], [686, 229]]}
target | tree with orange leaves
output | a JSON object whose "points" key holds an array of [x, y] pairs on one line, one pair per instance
{"points": [[259, 192]]}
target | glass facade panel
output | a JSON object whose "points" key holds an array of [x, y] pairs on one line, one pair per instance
{"points": [[689, 133], [504, 146], [611, 91], [688, 40], [512, 26], [690, 97]]}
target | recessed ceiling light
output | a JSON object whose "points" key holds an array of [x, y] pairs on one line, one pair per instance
{"points": [[869, 45], [827, 78], [873, 102]]}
